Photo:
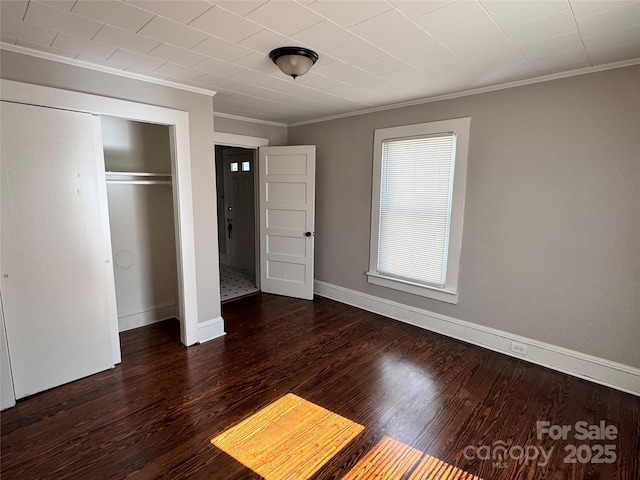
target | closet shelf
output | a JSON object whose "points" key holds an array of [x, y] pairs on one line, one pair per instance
{"points": [[138, 178]]}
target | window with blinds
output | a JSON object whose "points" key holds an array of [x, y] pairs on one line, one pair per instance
{"points": [[415, 207]]}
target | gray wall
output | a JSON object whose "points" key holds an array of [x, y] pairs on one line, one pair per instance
{"points": [[38, 71], [550, 248], [277, 135]]}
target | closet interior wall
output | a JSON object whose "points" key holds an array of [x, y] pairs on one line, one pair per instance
{"points": [[141, 218]]}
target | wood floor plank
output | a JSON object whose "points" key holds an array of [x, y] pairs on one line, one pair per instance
{"points": [[154, 415], [389, 459]]}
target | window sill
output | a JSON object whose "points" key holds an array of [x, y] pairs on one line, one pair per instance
{"points": [[442, 294]]}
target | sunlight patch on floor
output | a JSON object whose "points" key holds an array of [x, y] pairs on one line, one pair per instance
{"points": [[288, 439], [293, 438], [389, 459], [392, 460], [432, 468]]}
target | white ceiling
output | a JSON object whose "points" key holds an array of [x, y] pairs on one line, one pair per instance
{"points": [[372, 52]]}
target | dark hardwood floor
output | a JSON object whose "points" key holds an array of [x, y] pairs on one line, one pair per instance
{"points": [[154, 415]]}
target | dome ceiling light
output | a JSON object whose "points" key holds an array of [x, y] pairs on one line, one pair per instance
{"points": [[293, 61]]}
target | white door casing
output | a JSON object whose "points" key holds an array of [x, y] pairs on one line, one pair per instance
{"points": [[7, 395], [178, 122], [287, 220], [54, 262]]}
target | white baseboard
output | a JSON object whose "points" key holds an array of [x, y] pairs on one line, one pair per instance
{"points": [[598, 370], [130, 319], [211, 329]]}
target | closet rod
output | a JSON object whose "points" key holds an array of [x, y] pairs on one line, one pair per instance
{"points": [[137, 174], [140, 182]]}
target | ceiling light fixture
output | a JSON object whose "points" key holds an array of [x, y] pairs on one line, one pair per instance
{"points": [[294, 61]]}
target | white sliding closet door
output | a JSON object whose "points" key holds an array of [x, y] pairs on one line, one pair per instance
{"points": [[54, 262]]}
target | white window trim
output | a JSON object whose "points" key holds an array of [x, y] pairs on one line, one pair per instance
{"points": [[460, 126]]}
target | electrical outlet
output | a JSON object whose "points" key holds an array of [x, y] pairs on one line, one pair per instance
{"points": [[518, 348]]}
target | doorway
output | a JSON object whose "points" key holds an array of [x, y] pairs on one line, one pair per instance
{"points": [[236, 183], [138, 159], [284, 193]]}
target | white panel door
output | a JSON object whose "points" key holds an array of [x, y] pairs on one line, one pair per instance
{"points": [[287, 220], [54, 263]]}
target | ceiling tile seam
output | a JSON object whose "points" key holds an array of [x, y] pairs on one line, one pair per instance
{"points": [[135, 53], [195, 67], [208, 35], [239, 99], [346, 83], [269, 100], [437, 9], [393, 7], [198, 44], [224, 40], [211, 6], [552, 54], [24, 15], [327, 92], [54, 39], [98, 32], [575, 21], [118, 48], [243, 16], [68, 15], [262, 27], [313, 89], [232, 13], [308, 26], [361, 70], [137, 32], [537, 19], [259, 110], [162, 42], [509, 38], [429, 34], [282, 93]]}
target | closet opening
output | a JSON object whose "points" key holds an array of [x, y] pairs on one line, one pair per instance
{"points": [[138, 166], [236, 187]]}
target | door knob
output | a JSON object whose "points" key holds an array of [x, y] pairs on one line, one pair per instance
{"points": [[307, 234]]}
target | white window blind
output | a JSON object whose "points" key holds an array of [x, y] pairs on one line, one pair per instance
{"points": [[415, 207]]}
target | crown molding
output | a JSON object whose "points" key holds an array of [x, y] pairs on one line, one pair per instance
{"points": [[104, 69], [204, 91], [247, 119], [476, 91]]}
